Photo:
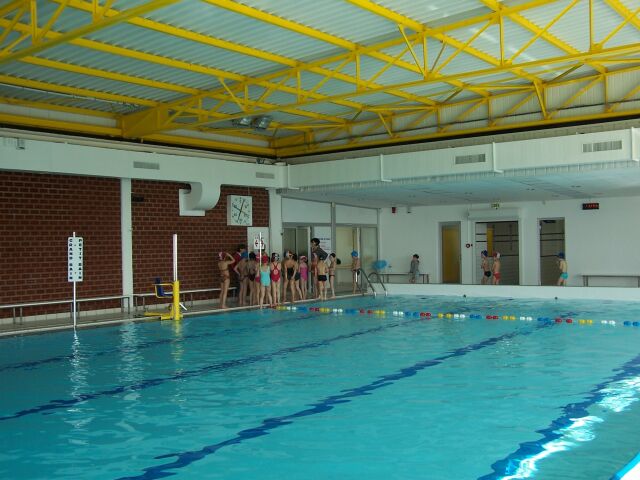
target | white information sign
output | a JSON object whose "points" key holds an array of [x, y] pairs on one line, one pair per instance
{"points": [[75, 247], [258, 243]]}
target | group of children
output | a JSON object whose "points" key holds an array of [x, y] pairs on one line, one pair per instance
{"points": [[491, 272], [268, 279]]}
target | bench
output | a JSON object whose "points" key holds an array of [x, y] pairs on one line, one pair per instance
{"points": [[18, 307], [183, 293], [385, 276], [587, 276]]}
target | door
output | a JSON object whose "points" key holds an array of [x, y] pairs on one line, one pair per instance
{"points": [[551, 243], [302, 241], [450, 242], [346, 242], [296, 239], [499, 237]]}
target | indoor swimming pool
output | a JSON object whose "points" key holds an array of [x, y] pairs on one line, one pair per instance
{"points": [[376, 388]]}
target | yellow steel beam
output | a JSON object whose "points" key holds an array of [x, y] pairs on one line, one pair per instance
{"points": [[521, 100], [301, 149], [165, 62], [82, 31], [75, 91], [57, 107], [420, 65], [11, 6], [576, 95], [397, 18], [465, 114], [95, 72], [617, 103], [40, 33], [9, 26], [537, 31], [624, 12], [541, 98], [46, 123], [631, 16], [145, 82], [539, 89], [510, 111], [212, 145], [582, 56], [67, 126], [293, 64], [385, 124]]}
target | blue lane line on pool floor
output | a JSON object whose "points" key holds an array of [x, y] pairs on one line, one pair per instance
{"points": [[58, 404], [184, 459], [154, 343], [526, 450]]}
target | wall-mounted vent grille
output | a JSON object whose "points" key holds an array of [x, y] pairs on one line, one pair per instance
{"points": [[602, 146], [147, 165], [465, 159], [265, 175]]}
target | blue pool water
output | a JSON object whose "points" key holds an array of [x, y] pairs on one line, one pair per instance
{"points": [[310, 395]]}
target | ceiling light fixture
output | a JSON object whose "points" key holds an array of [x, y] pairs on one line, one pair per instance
{"points": [[261, 123], [241, 122]]}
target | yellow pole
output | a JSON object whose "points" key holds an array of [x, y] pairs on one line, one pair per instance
{"points": [[176, 312]]}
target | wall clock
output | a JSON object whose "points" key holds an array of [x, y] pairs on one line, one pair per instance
{"points": [[239, 210]]}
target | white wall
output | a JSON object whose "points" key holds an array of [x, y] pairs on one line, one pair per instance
{"points": [[515, 155], [303, 212], [596, 241], [346, 215]]}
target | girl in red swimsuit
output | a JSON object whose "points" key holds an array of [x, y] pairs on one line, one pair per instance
{"points": [[275, 278]]}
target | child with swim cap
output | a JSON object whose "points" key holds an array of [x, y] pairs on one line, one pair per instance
{"points": [[495, 268], [562, 265], [486, 268], [355, 269]]}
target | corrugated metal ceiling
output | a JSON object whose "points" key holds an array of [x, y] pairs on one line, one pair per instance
{"points": [[306, 63]]}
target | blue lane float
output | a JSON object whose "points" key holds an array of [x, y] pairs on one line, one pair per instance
{"points": [[560, 320]]}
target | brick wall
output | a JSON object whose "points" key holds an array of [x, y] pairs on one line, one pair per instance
{"points": [[38, 212], [157, 218]]}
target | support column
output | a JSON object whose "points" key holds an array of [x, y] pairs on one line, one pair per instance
{"points": [[126, 238], [275, 221], [333, 227]]}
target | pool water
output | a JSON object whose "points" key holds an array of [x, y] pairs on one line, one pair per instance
{"points": [[312, 395]]}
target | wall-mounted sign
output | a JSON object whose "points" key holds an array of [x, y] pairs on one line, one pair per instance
{"points": [[591, 206]]}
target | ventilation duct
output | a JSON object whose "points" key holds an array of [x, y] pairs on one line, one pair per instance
{"points": [[602, 146], [465, 159]]}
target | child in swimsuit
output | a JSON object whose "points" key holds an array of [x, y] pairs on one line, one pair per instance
{"points": [[224, 260], [355, 269], [562, 265], [252, 269], [265, 281], [414, 268], [241, 270], [276, 268], [290, 267], [304, 276], [486, 269], [496, 268], [333, 263], [322, 280]]}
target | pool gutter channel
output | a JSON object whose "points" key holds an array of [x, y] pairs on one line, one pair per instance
{"points": [[141, 318]]}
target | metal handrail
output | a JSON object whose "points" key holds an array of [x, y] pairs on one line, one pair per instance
{"points": [[384, 287], [182, 293], [20, 306]]}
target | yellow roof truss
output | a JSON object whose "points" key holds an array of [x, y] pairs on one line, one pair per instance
{"points": [[417, 82]]}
